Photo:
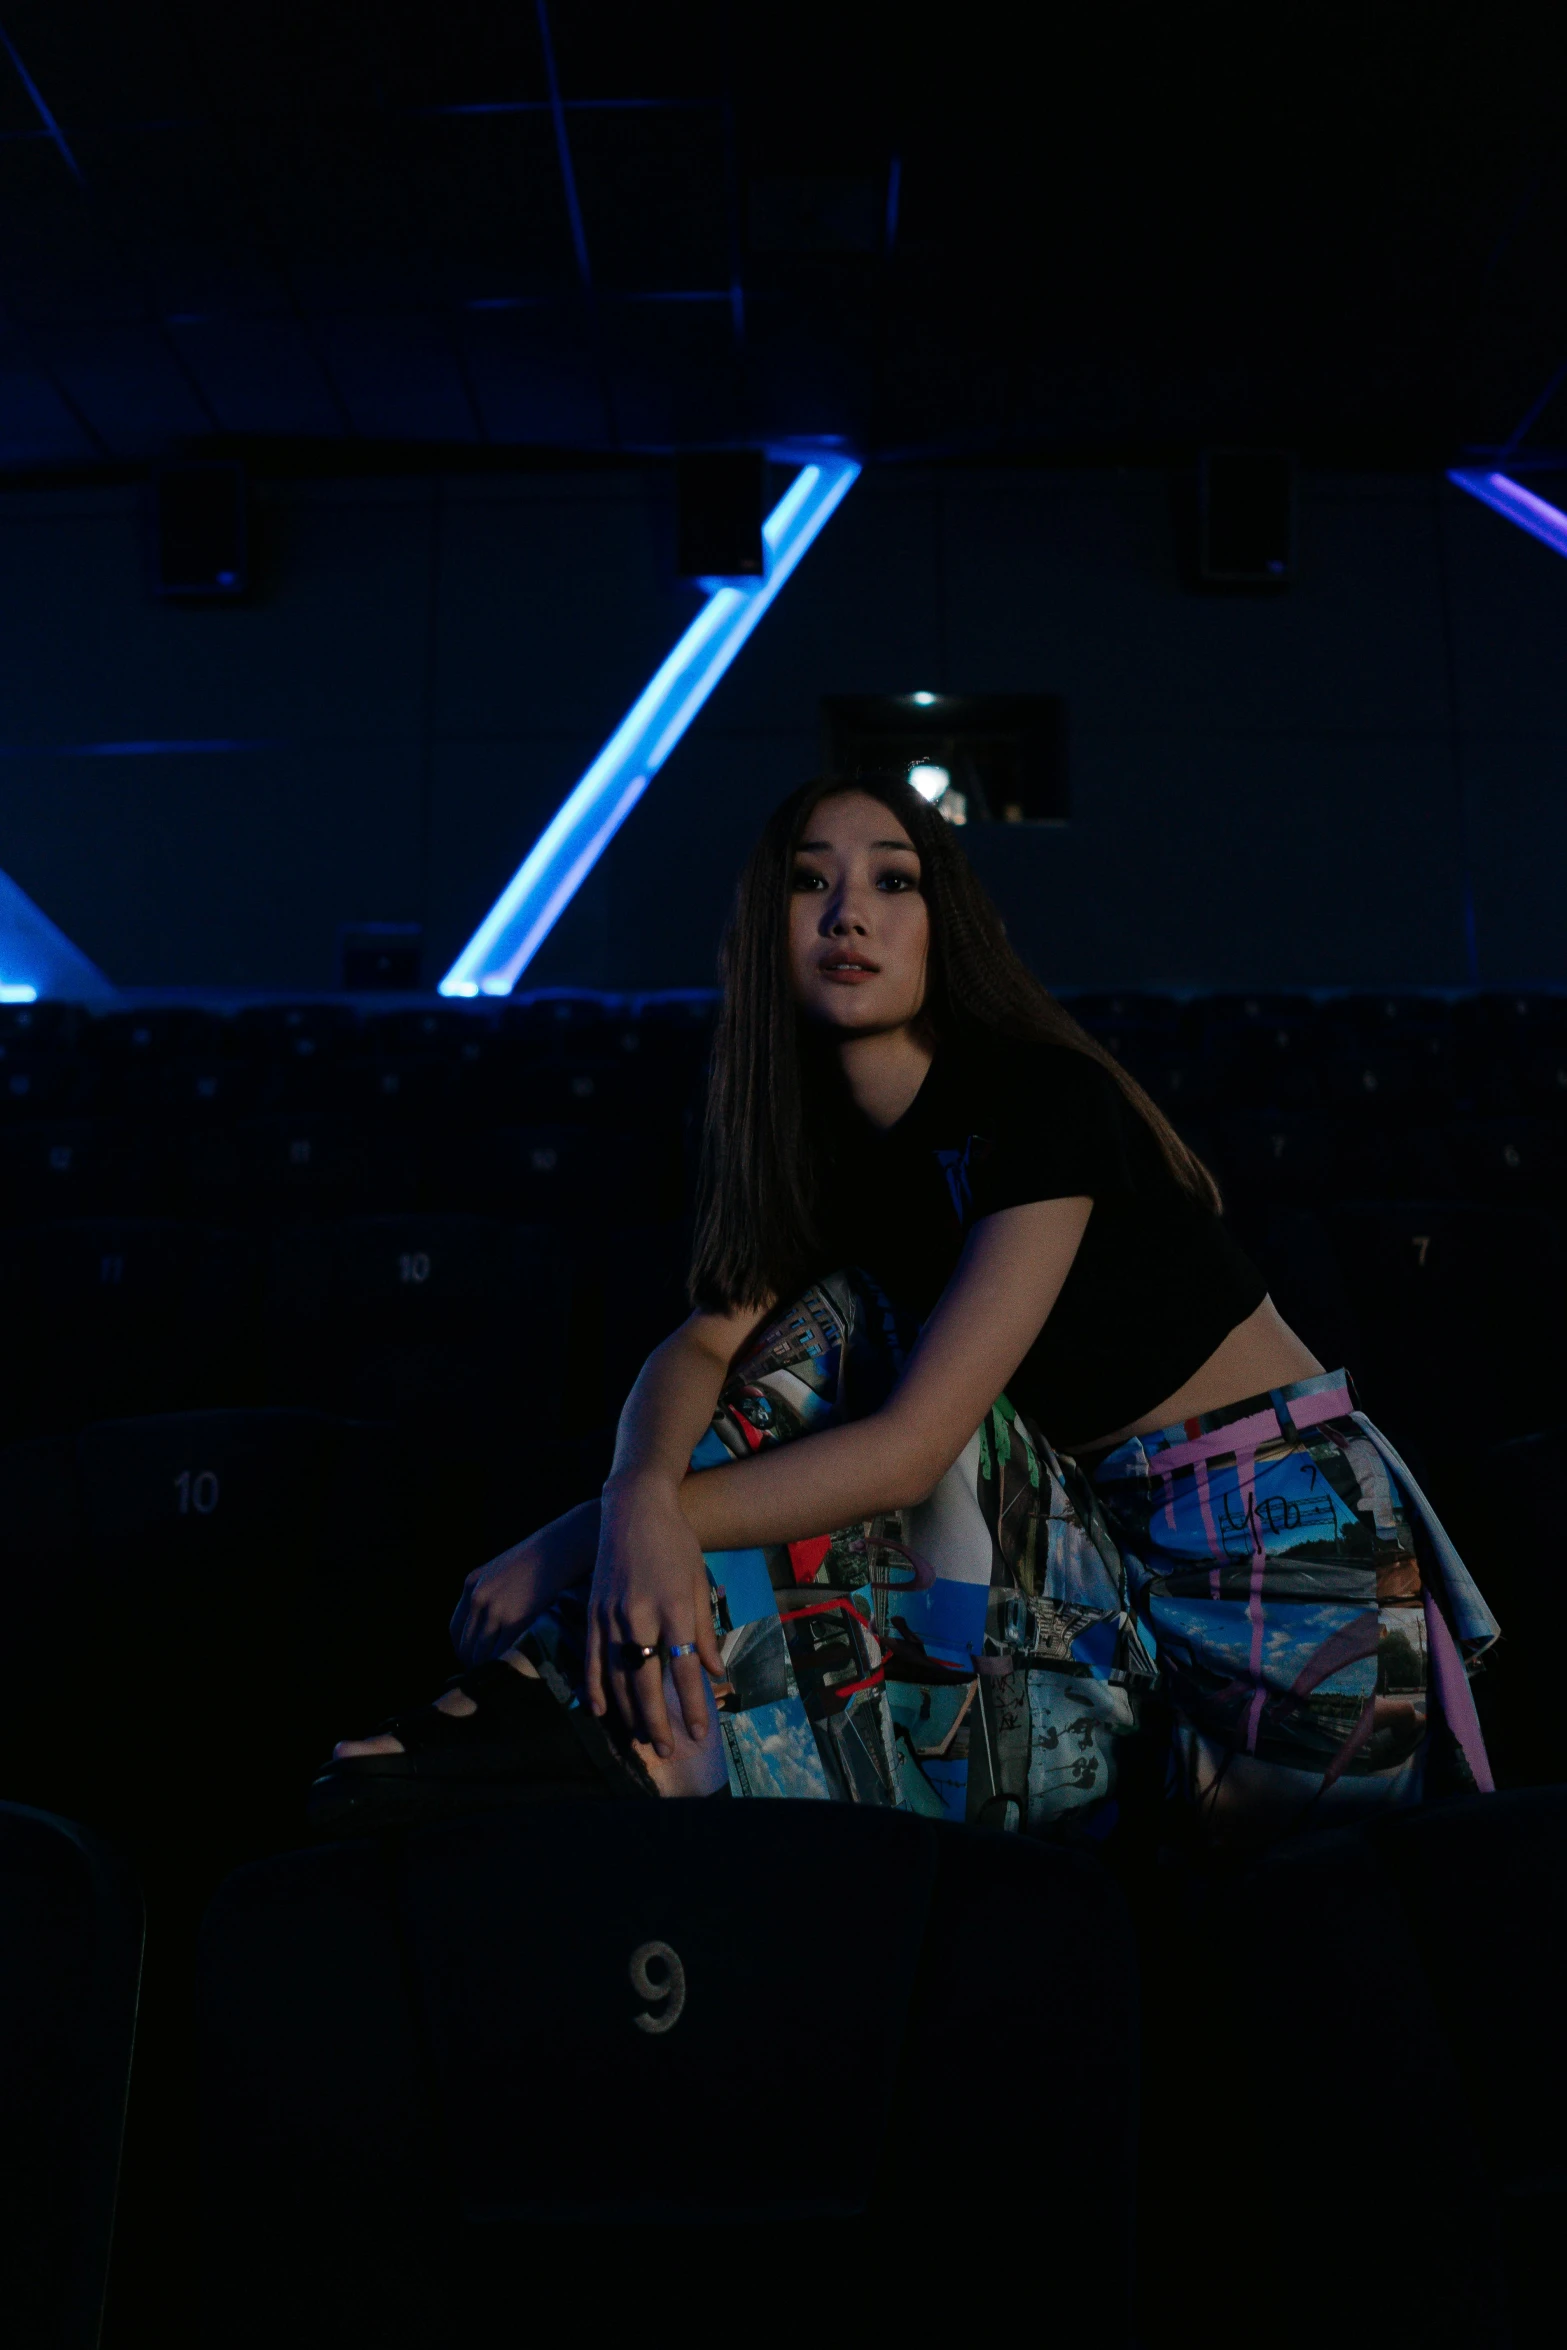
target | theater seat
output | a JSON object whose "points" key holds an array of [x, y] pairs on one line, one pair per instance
{"points": [[1509, 1529], [519, 2046], [1397, 1991], [70, 1167], [1507, 1159], [420, 1318], [70, 1972], [1266, 1156], [1458, 1307], [561, 1174], [193, 1606], [124, 1316], [308, 1163]]}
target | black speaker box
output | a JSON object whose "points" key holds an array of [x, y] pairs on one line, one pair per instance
{"points": [[199, 533], [720, 514]]}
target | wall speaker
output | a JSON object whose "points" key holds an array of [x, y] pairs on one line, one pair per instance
{"points": [[1246, 518], [719, 494], [199, 533]]}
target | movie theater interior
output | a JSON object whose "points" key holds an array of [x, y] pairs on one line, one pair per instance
{"points": [[727, 732]]}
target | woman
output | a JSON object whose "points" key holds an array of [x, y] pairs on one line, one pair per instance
{"points": [[1068, 1453]]}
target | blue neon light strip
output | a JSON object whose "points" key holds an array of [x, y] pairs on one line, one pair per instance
{"points": [[582, 828], [1509, 497]]}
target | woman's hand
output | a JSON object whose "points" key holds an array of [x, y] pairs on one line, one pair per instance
{"points": [[650, 1590], [502, 1599]]}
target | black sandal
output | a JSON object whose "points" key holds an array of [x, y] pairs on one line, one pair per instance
{"points": [[519, 1745]]}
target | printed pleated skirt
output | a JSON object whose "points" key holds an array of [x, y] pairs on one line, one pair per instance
{"points": [[1264, 1592]]}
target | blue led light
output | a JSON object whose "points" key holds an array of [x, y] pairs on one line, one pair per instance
{"points": [[31, 943], [1509, 497], [586, 822]]}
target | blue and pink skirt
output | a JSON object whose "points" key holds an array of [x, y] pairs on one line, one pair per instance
{"points": [[1263, 1591]]}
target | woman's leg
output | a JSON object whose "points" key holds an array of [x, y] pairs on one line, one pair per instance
{"points": [[1310, 1616], [970, 1657]]}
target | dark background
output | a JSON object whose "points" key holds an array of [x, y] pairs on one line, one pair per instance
{"points": [[459, 280]]}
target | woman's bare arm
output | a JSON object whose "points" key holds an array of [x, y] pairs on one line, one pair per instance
{"points": [[670, 1407], [649, 1586], [989, 1315], [650, 1580]]}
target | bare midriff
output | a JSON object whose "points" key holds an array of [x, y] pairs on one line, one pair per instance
{"points": [[1259, 1353]]}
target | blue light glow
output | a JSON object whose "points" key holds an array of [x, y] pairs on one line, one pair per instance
{"points": [[924, 700], [1509, 497], [30, 943], [51, 127], [586, 822]]}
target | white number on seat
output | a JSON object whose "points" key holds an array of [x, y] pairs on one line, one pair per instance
{"points": [[198, 1490], [667, 1989], [414, 1266]]}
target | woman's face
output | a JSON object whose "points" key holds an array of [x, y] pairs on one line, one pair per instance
{"points": [[859, 930]]}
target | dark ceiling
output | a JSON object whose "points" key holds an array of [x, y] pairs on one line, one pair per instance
{"points": [[361, 231]]}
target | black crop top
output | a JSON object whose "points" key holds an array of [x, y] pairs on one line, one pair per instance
{"points": [[1158, 1281]]}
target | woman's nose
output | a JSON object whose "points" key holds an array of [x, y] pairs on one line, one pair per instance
{"points": [[843, 919]]}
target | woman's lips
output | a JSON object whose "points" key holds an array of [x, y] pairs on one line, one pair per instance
{"points": [[848, 974]]}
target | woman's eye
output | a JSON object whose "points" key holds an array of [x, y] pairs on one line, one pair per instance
{"points": [[896, 882], [804, 878]]}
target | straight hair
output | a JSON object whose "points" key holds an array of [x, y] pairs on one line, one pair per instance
{"points": [[773, 1077]]}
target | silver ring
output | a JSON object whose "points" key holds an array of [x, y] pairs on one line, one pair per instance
{"points": [[683, 1648], [637, 1654]]}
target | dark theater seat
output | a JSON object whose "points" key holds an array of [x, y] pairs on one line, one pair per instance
{"points": [[1356, 2069], [1455, 1302], [537, 2050], [192, 1607], [70, 1972], [116, 1315], [424, 1318]]}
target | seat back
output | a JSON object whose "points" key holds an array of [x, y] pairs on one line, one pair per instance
{"points": [[717, 2015], [70, 1974], [1361, 2035], [193, 1606]]}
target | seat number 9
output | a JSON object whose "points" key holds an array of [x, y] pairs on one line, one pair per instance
{"points": [[666, 1987]]}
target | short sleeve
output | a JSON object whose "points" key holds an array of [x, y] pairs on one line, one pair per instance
{"points": [[1061, 1129]]}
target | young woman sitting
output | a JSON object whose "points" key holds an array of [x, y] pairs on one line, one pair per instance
{"points": [[983, 1449]]}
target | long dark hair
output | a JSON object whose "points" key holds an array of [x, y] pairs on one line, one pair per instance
{"points": [[763, 1155]]}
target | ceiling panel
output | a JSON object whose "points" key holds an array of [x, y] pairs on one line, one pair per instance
{"points": [[536, 376], [486, 207], [1158, 235], [128, 381], [653, 197], [261, 375], [98, 63], [36, 426], [401, 378], [677, 50], [675, 374]]}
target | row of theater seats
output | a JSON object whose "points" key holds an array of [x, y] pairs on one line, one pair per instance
{"points": [[572, 1111], [532, 1165], [440, 1321], [290, 1358], [599, 2053]]}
